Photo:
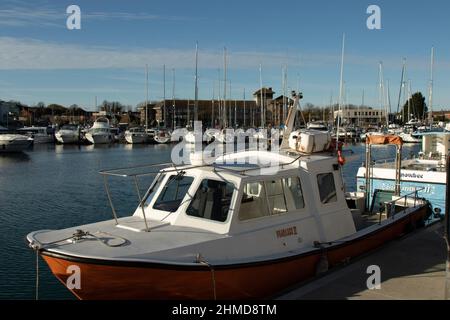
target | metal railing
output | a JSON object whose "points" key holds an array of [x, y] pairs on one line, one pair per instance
{"points": [[389, 206], [167, 167]]}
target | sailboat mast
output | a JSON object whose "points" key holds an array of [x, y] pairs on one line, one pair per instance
{"points": [[212, 104], [230, 120], [219, 100], [341, 84], [409, 99], [225, 87], [243, 125], [380, 88], [359, 108], [388, 103], [235, 113], [196, 84], [262, 99], [164, 95], [430, 95], [146, 96], [173, 98], [401, 87]]}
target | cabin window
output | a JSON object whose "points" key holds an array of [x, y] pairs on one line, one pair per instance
{"points": [[275, 196], [295, 191], [327, 188], [173, 193], [254, 201], [212, 200], [271, 197]]}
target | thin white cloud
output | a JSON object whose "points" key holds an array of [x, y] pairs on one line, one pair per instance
{"points": [[26, 16], [32, 54], [35, 54]]}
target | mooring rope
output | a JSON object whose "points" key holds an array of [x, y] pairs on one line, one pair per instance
{"points": [[78, 235], [202, 260], [37, 276]]}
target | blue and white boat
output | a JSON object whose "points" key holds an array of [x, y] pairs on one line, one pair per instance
{"points": [[425, 173]]}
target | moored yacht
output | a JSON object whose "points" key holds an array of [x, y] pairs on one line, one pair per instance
{"points": [[39, 134], [100, 133], [162, 136], [136, 135], [425, 172], [241, 226], [10, 142], [317, 125], [68, 133]]}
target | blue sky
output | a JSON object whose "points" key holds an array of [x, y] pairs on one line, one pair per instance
{"points": [[41, 60]]}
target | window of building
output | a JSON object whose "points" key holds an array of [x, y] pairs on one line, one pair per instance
{"points": [[212, 200], [327, 188]]}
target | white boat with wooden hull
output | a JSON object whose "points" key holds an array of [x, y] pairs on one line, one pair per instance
{"points": [[246, 226], [100, 133], [68, 134], [136, 135]]}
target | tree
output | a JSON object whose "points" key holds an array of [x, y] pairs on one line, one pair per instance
{"points": [[415, 107]]}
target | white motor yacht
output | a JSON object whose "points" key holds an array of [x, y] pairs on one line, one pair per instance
{"points": [[317, 125], [100, 133], [68, 133], [39, 134], [136, 135], [10, 142]]}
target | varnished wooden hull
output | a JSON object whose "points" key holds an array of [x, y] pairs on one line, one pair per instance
{"points": [[127, 280]]}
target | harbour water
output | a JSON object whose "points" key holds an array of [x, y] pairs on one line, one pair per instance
{"points": [[55, 186]]}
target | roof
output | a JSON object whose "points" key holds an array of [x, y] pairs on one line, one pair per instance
{"points": [[264, 90]]}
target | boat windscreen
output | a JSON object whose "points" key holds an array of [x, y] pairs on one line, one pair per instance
{"points": [[173, 193]]}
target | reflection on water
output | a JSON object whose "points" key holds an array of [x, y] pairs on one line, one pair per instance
{"points": [[11, 158], [52, 187]]}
